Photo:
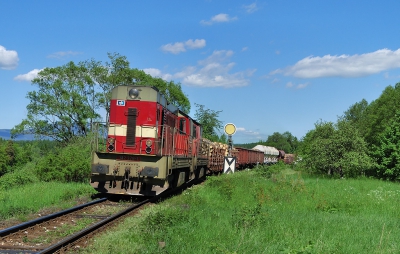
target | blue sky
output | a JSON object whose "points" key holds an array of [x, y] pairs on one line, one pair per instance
{"points": [[269, 66]]}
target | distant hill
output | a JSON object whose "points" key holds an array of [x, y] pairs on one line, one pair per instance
{"points": [[5, 134]]}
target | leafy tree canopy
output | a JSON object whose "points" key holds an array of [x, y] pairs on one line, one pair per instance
{"points": [[380, 113], [209, 121], [69, 98], [330, 147], [387, 152]]}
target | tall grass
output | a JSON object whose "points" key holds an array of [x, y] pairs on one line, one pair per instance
{"points": [[20, 201], [259, 212]]}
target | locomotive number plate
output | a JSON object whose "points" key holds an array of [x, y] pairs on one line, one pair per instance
{"points": [[128, 158]]}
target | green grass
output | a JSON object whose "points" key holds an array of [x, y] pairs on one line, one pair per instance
{"points": [[20, 202], [255, 212]]}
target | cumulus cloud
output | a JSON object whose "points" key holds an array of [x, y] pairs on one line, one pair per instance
{"points": [[8, 59], [62, 54], [251, 8], [28, 76], [296, 86], [179, 47], [343, 65], [219, 18], [214, 71], [158, 74], [248, 134]]}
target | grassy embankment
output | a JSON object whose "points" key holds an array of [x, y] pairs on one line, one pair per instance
{"points": [[21, 201], [259, 212]]}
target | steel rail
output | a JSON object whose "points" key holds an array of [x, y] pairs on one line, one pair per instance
{"points": [[67, 241], [28, 224]]}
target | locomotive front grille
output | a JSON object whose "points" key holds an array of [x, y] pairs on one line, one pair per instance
{"points": [[131, 127]]}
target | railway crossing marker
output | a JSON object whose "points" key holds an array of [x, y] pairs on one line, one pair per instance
{"points": [[229, 164], [230, 161]]}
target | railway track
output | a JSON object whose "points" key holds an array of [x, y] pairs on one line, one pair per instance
{"points": [[72, 229], [38, 235]]}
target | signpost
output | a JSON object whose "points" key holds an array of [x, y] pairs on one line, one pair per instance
{"points": [[230, 161]]}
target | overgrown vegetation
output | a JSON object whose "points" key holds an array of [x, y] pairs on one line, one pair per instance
{"points": [[284, 211], [31, 198]]}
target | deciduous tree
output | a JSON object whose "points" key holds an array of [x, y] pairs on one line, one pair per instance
{"points": [[209, 121], [387, 152], [70, 97]]}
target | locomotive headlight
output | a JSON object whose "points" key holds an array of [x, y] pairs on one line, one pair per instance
{"points": [[148, 146], [111, 146], [134, 93]]}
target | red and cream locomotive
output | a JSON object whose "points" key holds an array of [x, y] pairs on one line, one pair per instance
{"points": [[151, 146]]}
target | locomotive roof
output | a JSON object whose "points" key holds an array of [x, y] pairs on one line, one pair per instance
{"points": [[148, 93]]}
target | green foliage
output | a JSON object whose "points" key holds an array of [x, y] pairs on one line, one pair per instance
{"points": [[67, 164], [19, 201], [18, 178], [330, 147], [380, 113], [387, 152], [209, 121], [286, 141], [357, 115], [71, 97], [281, 141], [62, 105], [15, 154], [291, 213]]}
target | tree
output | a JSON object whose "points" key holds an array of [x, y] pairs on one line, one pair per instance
{"points": [[69, 97], [387, 152], [286, 141], [335, 146], [62, 105], [209, 121], [380, 113], [117, 72]]}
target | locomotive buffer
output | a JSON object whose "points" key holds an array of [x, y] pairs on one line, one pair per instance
{"points": [[230, 161]]}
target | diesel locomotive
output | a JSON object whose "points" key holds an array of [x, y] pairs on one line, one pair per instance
{"points": [[150, 145]]}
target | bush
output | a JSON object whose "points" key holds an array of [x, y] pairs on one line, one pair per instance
{"points": [[67, 164], [17, 178]]}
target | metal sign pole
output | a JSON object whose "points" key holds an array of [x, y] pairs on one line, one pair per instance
{"points": [[230, 161]]}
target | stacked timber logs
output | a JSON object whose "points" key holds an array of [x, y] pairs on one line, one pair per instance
{"points": [[215, 152]]}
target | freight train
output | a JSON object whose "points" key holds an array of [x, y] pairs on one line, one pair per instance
{"points": [[151, 145]]}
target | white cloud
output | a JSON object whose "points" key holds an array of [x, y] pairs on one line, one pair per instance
{"points": [[8, 58], [157, 73], [179, 47], [343, 65], [28, 76], [247, 134], [61, 54], [196, 44], [219, 18], [298, 86], [213, 71], [251, 8]]}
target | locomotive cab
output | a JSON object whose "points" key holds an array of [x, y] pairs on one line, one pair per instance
{"points": [[150, 145]]}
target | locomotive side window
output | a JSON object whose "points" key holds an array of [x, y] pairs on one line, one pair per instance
{"points": [[182, 124]]}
